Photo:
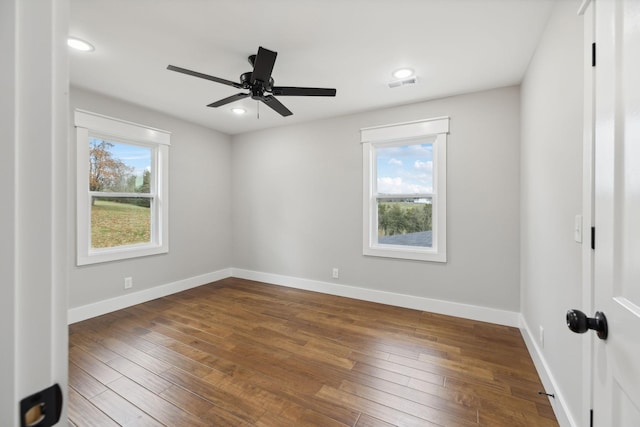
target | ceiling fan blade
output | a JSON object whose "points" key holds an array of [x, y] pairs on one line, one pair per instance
{"points": [[276, 105], [204, 76], [230, 99], [302, 91], [263, 67]]}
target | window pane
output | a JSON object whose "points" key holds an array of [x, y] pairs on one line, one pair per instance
{"points": [[119, 167], [405, 222], [406, 169], [120, 221]]}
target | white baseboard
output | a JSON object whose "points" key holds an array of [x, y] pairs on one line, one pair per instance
{"points": [[467, 311], [559, 403], [483, 314], [99, 308]]}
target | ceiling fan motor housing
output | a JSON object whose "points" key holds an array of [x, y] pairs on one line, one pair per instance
{"points": [[245, 79]]}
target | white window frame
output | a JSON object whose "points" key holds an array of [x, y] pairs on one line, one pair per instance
{"points": [[409, 133], [89, 125]]}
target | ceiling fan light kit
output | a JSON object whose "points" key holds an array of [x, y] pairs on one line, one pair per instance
{"points": [[259, 83]]}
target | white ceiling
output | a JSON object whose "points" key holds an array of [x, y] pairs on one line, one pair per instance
{"points": [[454, 46]]}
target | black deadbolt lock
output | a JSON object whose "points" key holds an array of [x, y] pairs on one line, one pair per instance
{"points": [[579, 323]]}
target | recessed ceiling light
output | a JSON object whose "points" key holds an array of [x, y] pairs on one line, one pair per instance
{"points": [[402, 73], [79, 44], [238, 110]]}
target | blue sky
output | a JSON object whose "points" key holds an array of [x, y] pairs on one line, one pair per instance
{"points": [[132, 155], [406, 169]]}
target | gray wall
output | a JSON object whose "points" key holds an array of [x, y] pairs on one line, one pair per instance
{"points": [[297, 202], [551, 195], [199, 208]]}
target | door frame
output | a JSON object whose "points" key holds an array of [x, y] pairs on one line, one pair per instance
{"points": [[587, 10], [34, 190]]}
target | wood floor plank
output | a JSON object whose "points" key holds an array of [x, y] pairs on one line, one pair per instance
{"points": [[83, 383], [122, 411], [243, 353], [444, 367], [215, 333], [154, 405], [190, 335], [490, 400], [183, 357], [295, 393], [244, 410], [435, 413], [298, 417], [219, 417], [97, 369], [84, 413], [367, 420], [378, 410], [140, 375], [458, 396], [437, 397], [188, 401], [406, 371], [129, 352], [96, 350]]}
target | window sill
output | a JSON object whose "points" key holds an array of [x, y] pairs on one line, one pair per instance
{"points": [[401, 252], [96, 256]]}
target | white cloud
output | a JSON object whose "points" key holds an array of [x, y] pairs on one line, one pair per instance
{"points": [[396, 185], [395, 161], [428, 166]]}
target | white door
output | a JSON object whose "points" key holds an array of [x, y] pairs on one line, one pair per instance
{"points": [[616, 369]]}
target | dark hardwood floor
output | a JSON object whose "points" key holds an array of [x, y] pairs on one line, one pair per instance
{"points": [[242, 353]]}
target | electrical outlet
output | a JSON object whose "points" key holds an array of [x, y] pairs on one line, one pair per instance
{"points": [[128, 282], [541, 337], [336, 273]]}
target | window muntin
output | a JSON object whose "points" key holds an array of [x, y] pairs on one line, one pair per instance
{"points": [[404, 194], [122, 189]]}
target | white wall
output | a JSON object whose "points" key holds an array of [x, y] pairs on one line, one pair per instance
{"points": [[199, 208], [297, 202], [551, 195]]}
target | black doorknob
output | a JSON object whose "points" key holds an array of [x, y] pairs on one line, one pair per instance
{"points": [[579, 323]]}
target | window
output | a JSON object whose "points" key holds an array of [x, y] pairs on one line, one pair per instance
{"points": [[404, 190], [122, 189]]}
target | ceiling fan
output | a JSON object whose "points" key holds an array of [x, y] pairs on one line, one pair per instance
{"points": [[259, 83]]}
